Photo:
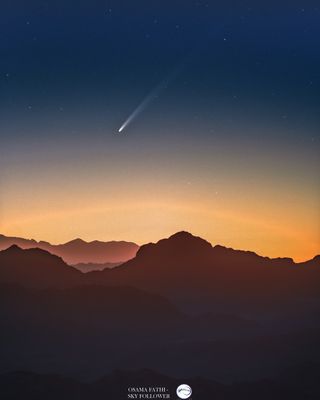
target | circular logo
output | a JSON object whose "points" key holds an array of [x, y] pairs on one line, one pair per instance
{"points": [[184, 391]]}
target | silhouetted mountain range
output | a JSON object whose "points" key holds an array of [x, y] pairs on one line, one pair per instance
{"points": [[180, 307], [182, 267], [78, 251]]}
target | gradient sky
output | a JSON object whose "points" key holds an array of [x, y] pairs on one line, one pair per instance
{"points": [[228, 149]]}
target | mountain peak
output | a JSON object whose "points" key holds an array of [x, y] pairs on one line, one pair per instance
{"points": [[13, 249], [76, 241], [179, 244], [186, 237], [182, 235]]}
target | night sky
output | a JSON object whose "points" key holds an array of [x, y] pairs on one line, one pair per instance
{"points": [[226, 145]]}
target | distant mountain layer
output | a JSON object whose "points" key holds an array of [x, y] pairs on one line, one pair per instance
{"points": [[88, 267], [78, 251]]}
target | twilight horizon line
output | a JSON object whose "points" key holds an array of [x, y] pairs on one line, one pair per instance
{"points": [[41, 241]]}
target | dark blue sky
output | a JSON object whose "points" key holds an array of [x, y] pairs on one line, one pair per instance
{"points": [[70, 51]]}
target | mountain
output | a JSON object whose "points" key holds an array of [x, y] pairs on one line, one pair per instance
{"points": [[78, 251], [36, 268], [186, 266], [184, 261]]}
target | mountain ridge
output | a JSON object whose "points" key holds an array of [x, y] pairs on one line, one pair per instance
{"points": [[79, 251], [181, 266]]}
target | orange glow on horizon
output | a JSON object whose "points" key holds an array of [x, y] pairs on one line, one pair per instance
{"points": [[240, 227], [260, 211]]}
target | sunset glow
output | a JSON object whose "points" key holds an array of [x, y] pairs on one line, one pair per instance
{"points": [[227, 147]]}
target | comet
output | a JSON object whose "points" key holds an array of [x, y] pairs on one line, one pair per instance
{"points": [[150, 98]]}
